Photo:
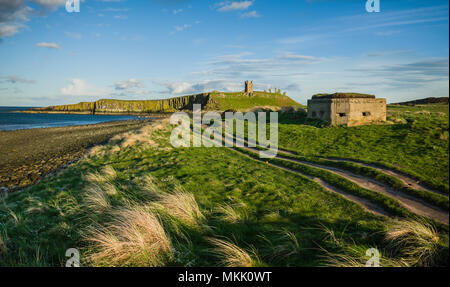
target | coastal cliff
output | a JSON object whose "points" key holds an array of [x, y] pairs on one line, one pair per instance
{"points": [[209, 101]]}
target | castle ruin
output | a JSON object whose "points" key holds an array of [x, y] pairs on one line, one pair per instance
{"points": [[347, 109], [248, 87]]}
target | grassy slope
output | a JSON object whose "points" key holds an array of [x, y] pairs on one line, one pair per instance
{"points": [[40, 223], [235, 101], [417, 143]]}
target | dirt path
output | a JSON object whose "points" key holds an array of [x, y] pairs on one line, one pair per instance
{"points": [[411, 203], [364, 203], [407, 180]]}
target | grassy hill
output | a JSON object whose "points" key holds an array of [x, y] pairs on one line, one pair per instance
{"points": [[414, 140], [137, 201], [426, 101], [209, 101]]}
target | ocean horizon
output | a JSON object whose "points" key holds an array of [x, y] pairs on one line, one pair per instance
{"points": [[11, 120]]}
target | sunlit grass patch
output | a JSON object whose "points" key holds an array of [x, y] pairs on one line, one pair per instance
{"points": [[232, 213], [182, 205], [415, 240], [231, 255], [410, 243], [107, 174], [96, 199], [135, 237]]}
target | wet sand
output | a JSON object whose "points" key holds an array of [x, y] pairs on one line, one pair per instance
{"points": [[28, 155]]}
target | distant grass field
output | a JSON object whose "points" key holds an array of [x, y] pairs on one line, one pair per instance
{"points": [[416, 141]]}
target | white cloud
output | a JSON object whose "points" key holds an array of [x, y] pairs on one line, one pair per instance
{"points": [[128, 84], [116, 9], [50, 4], [177, 11], [183, 88], [180, 28], [48, 45], [251, 14], [233, 6], [15, 13], [129, 87], [73, 35], [13, 79], [78, 87], [8, 30], [121, 17]]}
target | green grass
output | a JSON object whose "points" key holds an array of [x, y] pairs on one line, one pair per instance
{"points": [[41, 222], [417, 144], [435, 199], [251, 211], [239, 102], [441, 201], [390, 205]]}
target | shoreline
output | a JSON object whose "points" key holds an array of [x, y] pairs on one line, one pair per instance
{"points": [[28, 155], [77, 125], [144, 115]]}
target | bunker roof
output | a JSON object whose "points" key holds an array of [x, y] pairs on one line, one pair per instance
{"points": [[343, 96]]}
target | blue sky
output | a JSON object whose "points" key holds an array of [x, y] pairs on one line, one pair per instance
{"points": [[152, 49]]}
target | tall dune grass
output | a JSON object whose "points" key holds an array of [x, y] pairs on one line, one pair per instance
{"points": [[281, 246], [107, 174], [2, 245], [232, 213], [182, 205], [135, 237], [96, 199], [415, 240], [232, 255], [148, 185], [410, 243]]}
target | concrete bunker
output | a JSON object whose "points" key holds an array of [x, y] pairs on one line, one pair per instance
{"points": [[349, 109]]}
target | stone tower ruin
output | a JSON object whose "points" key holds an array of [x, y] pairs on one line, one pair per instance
{"points": [[248, 87]]}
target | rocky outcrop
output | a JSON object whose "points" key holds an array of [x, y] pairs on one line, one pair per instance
{"points": [[129, 107], [218, 101]]}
